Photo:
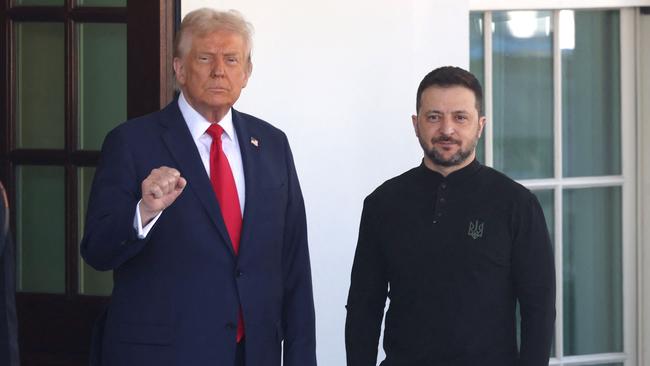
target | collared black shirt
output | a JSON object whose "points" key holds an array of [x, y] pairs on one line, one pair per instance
{"points": [[453, 254]]}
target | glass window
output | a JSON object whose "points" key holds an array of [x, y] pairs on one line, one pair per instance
{"points": [[523, 93], [525, 147], [546, 200], [592, 278], [40, 81], [40, 235], [477, 64], [591, 106], [101, 2], [102, 81], [40, 2]]}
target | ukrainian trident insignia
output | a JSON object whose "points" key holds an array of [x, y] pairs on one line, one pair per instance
{"points": [[475, 230]]}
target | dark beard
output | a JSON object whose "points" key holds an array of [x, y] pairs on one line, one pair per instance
{"points": [[459, 157]]}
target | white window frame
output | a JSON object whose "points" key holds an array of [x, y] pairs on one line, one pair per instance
{"points": [[627, 180], [643, 259], [497, 5]]}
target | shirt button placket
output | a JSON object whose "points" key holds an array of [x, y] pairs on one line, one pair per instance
{"points": [[440, 203]]}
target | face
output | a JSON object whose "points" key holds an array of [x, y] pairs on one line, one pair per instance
{"points": [[213, 73], [448, 127]]}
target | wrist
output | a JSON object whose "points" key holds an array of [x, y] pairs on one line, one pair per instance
{"points": [[146, 215]]}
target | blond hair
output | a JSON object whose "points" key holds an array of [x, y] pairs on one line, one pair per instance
{"points": [[204, 21]]}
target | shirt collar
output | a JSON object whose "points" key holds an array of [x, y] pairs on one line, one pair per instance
{"points": [[197, 124], [459, 176]]}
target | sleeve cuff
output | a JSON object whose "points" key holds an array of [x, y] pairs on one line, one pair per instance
{"points": [[137, 223]]}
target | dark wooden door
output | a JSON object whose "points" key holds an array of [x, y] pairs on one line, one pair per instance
{"points": [[73, 69]]}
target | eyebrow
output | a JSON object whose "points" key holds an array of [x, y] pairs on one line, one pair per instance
{"points": [[225, 53], [460, 111], [233, 54]]}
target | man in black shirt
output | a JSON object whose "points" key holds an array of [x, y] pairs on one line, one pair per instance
{"points": [[454, 245]]}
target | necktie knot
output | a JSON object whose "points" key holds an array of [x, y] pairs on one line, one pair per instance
{"points": [[215, 130]]}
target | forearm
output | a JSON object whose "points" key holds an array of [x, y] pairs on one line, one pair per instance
{"points": [[534, 272], [299, 325], [298, 309], [110, 238], [368, 291], [362, 329]]}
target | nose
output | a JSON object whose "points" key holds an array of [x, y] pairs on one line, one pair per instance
{"points": [[217, 68], [447, 126]]}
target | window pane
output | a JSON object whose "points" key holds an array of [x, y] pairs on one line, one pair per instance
{"points": [[591, 110], [523, 93], [91, 282], [547, 201], [593, 314], [40, 83], [101, 2], [476, 65], [40, 229], [102, 81], [40, 2]]}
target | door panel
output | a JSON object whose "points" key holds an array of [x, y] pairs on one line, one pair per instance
{"points": [[65, 86]]}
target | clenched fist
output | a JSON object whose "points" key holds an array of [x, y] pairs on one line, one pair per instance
{"points": [[159, 190]]}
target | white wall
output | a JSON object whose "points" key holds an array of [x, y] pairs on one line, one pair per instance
{"points": [[339, 77]]}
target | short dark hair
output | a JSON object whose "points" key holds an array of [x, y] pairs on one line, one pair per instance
{"points": [[447, 76]]}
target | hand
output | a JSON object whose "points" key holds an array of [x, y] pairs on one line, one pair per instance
{"points": [[159, 190]]}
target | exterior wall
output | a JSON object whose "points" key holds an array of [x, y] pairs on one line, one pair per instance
{"points": [[339, 77]]}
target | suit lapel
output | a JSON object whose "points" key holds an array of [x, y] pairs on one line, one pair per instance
{"points": [[250, 158], [179, 141]]}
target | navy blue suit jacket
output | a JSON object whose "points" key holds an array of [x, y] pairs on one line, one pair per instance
{"points": [[177, 292]]}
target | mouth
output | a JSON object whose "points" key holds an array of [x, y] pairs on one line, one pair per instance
{"points": [[446, 144]]}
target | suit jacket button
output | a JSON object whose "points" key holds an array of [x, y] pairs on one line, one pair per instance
{"points": [[238, 274], [231, 326]]}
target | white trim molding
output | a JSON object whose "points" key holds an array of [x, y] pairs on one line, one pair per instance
{"points": [[643, 187], [496, 5], [628, 157]]}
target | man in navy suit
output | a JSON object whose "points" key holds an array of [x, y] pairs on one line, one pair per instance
{"points": [[206, 235]]}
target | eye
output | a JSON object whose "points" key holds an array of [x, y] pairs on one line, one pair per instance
{"points": [[204, 58], [433, 117], [461, 118], [232, 60]]}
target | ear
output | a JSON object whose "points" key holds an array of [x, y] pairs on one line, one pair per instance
{"points": [[179, 71], [481, 124], [248, 72], [414, 119]]}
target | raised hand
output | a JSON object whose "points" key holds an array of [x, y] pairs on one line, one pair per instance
{"points": [[159, 190]]}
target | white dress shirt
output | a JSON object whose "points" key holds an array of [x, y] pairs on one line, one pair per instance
{"points": [[198, 126]]}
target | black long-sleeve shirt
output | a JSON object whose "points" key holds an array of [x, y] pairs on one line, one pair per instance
{"points": [[453, 254]]}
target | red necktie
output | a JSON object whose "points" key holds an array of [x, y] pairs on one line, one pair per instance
{"points": [[224, 186]]}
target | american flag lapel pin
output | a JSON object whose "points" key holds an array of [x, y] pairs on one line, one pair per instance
{"points": [[255, 142]]}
